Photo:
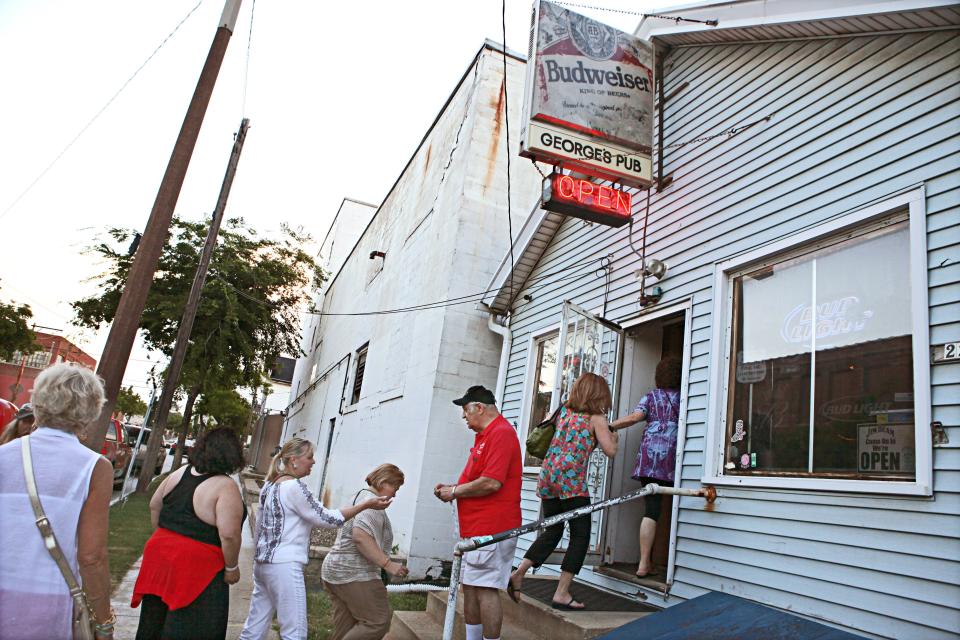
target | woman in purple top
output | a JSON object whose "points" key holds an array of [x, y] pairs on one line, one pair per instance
{"points": [[656, 459]]}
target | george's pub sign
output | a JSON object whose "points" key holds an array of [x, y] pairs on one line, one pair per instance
{"points": [[589, 98], [586, 200]]}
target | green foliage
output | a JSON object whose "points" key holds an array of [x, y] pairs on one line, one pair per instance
{"points": [[15, 333], [249, 307], [227, 407], [130, 403], [130, 527], [174, 419]]}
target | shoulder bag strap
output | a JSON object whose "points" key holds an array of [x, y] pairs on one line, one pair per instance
{"points": [[43, 524], [357, 497]]}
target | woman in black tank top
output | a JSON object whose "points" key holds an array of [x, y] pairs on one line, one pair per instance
{"points": [[178, 514], [188, 564]]}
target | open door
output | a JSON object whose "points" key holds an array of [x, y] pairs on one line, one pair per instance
{"points": [[588, 344]]}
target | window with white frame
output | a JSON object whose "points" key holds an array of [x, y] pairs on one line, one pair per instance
{"points": [[822, 382], [544, 376]]}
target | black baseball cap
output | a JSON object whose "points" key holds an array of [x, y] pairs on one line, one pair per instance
{"points": [[477, 393]]}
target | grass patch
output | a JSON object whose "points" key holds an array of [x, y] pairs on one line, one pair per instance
{"points": [[130, 527], [320, 611]]}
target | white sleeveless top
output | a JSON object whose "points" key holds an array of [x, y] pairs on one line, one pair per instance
{"points": [[34, 599]]}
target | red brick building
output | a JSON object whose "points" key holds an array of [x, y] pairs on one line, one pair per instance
{"points": [[18, 373]]}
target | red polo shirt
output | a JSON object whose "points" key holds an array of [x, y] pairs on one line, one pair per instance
{"points": [[495, 454]]}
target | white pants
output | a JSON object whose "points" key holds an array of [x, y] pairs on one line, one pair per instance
{"points": [[277, 587]]}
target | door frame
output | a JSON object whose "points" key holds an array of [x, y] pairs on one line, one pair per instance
{"points": [[684, 306]]}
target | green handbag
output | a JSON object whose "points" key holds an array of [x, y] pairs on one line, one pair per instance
{"points": [[538, 440]]}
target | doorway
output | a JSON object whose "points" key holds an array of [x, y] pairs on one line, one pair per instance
{"points": [[644, 345]]}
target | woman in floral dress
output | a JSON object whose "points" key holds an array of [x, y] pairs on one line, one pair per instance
{"points": [[656, 458], [581, 426]]}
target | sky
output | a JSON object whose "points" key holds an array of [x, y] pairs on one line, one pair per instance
{"points": [[338, 96]]}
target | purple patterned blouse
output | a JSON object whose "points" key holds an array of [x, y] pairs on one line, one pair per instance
{"points": [[658, 450]]}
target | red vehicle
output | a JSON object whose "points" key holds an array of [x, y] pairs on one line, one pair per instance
{"points": [[8, 411], [116, 450]]}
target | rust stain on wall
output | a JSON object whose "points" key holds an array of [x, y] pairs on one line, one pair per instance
{"points": [[426, 164], [498, 106]]}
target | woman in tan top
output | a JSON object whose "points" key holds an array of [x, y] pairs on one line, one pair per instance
{"points": [[351, 571]]}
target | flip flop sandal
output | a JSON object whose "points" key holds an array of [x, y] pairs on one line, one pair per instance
{"points": [[513, 592], [566, 607]]}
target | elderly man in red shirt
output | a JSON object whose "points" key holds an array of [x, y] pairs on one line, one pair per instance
{"points": [[488, 502]]}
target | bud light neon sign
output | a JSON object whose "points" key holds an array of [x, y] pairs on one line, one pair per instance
{"points": [[586, 200]]}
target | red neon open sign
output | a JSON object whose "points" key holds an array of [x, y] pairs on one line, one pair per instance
{"points": [[587, 200]]}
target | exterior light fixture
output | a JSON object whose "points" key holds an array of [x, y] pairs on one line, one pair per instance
{"points": [[654, 269]]}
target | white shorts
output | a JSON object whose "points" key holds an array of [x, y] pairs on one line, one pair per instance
{"points": [[489, 566]]}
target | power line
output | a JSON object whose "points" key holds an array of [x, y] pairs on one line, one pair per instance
{"points": [[677, 19], [246, 68], [98, 113], [437, 304]]}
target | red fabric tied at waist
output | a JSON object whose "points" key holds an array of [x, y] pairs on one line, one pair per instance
{"points": [[176, 568]]}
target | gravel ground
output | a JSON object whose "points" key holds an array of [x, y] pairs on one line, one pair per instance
{"points": [[323, 537]]}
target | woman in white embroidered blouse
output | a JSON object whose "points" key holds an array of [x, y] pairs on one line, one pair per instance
{"points": [[288, 511]]}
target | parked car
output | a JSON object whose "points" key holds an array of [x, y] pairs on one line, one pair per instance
{"points": [[133, 431], [116, 450], [8, 412]]}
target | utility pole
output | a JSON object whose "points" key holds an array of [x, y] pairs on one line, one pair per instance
{"points": [[172, 378], [123, 331]]}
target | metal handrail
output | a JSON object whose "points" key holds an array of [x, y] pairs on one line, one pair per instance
{"points": [[476, 542]]}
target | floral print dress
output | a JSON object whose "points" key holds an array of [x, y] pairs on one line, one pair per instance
{"points": [[658, 450], [564, 471]]}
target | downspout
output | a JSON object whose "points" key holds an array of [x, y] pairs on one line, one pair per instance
{"points": [[498, 324]]}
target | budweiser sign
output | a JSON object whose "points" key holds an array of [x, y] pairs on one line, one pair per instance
{"points": [[589, 97]]}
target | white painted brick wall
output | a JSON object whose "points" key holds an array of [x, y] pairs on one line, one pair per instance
{"points": [[432, 355]]}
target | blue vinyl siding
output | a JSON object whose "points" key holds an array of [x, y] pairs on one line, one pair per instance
{"points": [[851, 121]]}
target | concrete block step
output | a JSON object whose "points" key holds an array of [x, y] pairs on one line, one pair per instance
{"points": [[532, 615], [420, 625], [437, 610], [251, 488], [533, 619], [414, 625]]}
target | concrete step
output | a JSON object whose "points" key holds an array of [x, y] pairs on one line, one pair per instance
{"points": [[420, 625], [534, 616], [414, 625], [251, 488], [533, 619]]}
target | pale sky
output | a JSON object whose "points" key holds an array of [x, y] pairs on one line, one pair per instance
{"points": [[339, 94]]}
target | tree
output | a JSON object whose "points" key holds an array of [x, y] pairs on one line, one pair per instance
{"points": [[226, 407], [129, 403], [249, 307], [15, 333]]}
